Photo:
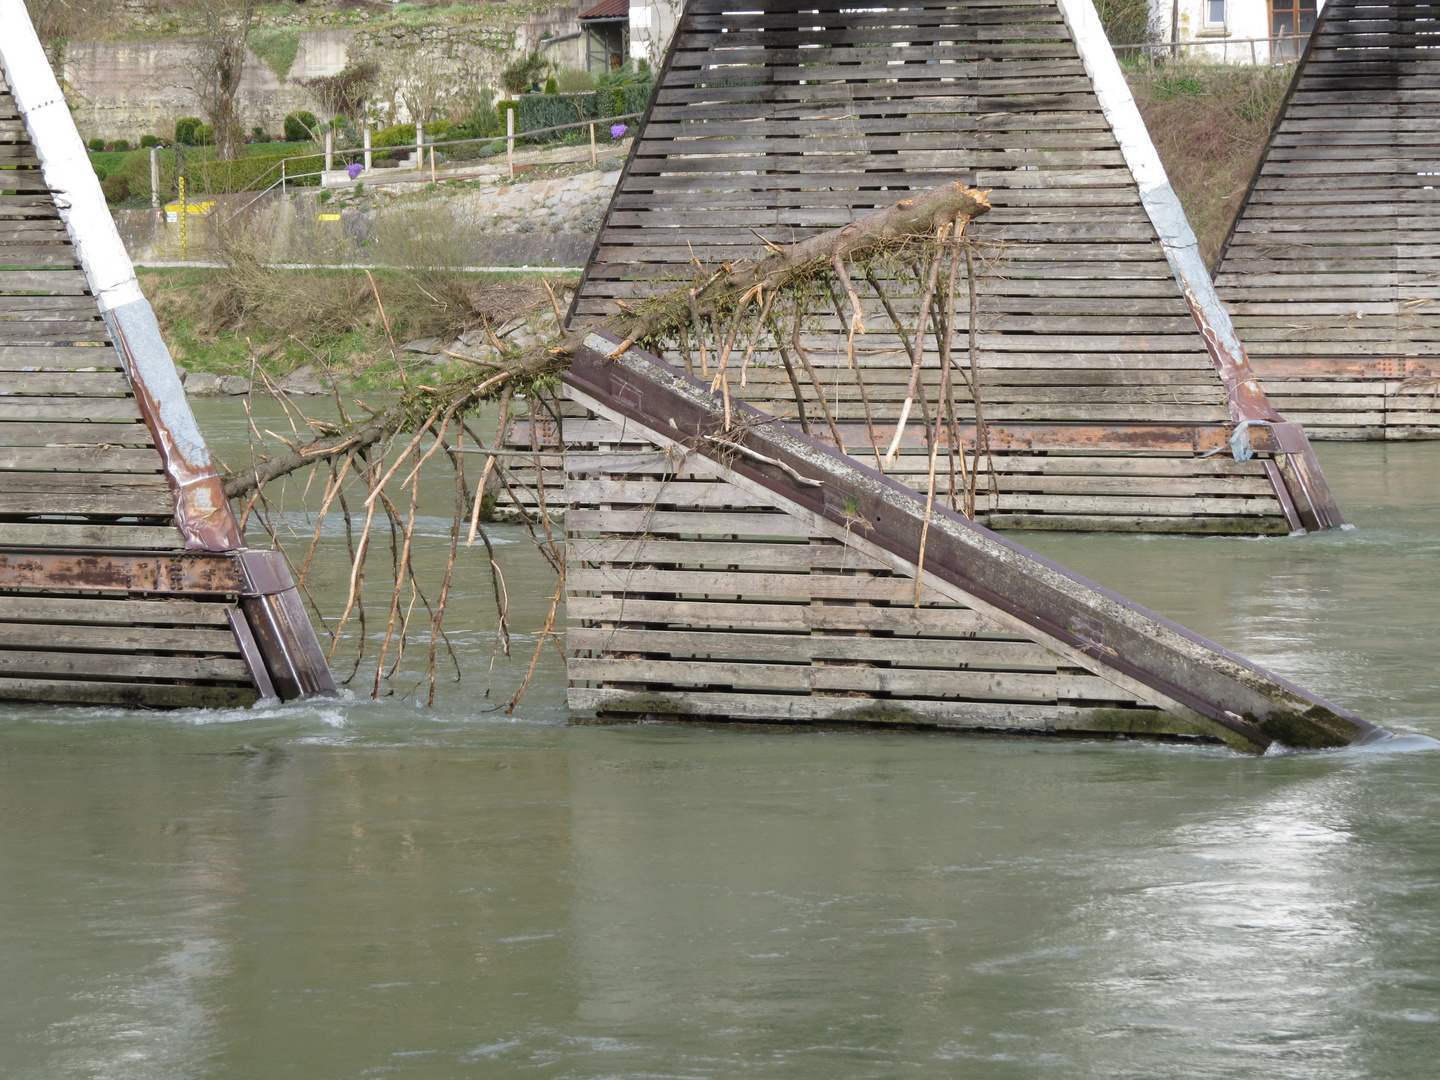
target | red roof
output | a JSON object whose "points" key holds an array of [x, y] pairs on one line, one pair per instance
{"points": [[607, 9]]}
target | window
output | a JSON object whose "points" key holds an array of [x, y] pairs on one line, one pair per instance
{"points": [[1290, 21], [1214, 12]]}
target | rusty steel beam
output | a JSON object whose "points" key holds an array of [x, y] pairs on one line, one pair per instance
{"points": [[1346, 367], [151, 573], [1039, 435], [1100, 630]]}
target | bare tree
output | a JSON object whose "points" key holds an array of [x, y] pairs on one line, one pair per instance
{"points": [[343, 94], [217, 64]]}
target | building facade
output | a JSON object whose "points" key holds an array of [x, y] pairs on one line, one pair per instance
{"points": [[1230, 31]]}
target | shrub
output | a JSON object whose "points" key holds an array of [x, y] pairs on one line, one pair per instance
{"points": [[258, 134], [254, 172], [100, 173], [116, 188], [637, 97], [552, 86], [524, 72], [394, 135], [96, 144], [147, 141], [122, 146], [301, 126], [185, 130], [205, 135], [574, 81]]}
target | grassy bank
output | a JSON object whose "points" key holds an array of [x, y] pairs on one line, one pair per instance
{"points": [[226, 320], [1210, 125]]}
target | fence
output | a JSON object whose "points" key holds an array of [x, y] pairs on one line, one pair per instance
{"points": [[287, 177], [1270, 51]]}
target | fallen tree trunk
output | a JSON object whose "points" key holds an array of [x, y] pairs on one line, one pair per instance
{"points": [[731, 287]]}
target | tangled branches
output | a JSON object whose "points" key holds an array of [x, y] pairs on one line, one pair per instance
{"points": [[733, 310]]}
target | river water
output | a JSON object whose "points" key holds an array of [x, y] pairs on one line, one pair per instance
{"points": [[356, 889]]}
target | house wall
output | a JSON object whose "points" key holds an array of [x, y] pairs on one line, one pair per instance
{"points": [[652, 22], [1232, 43]]}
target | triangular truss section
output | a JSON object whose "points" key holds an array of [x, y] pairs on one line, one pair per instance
{"points": [[1330, 269], [124, 576], [1108, 382]]}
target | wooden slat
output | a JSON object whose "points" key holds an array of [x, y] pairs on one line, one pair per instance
{"points": [[88, 535], [806, 709], [144, 695], [51, 609]]}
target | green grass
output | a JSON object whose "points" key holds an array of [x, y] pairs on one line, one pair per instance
{"points": [[204, 335]]}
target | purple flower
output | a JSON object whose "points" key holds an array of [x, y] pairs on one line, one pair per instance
{"points": [[354, 169], [617, 130]]}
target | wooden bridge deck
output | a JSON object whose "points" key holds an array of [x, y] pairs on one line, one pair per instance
{"points": [[1094, 377], [1330, 269]]}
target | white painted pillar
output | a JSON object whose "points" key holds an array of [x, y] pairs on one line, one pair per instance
{"points": [[155, 178], [367, 145], [510, 140], [329, 150]]}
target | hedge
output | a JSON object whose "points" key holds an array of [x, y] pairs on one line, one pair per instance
{"points": [[254, 173], [551, 110]]}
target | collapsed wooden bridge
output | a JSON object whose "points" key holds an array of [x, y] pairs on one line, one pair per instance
{"points": [[1336, 295], [745, 571], [728, 559], [1102, 374], [124, 576]]}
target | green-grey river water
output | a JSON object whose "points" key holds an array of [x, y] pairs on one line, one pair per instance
{"points": [[355, 889]]}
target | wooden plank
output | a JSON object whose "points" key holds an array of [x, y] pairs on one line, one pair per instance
{"points": [[88, 535], [135, 695], [93, 638], [118, 666], [69, 408], [98, 457], [771, 556], [952, 622], [808, 709], [80, 436], [52, 609], [803, 648], [906, 682], [708, 583]]}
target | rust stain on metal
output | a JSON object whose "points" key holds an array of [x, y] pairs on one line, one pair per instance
{"points": [[197, 574], [202, 512]]}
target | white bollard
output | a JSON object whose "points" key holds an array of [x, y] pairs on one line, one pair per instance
{"points": [[367, 146]]}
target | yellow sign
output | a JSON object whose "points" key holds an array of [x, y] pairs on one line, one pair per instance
{"points": [[190, 208], [329, 217]]}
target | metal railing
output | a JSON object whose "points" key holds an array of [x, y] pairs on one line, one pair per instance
{"points": [[286, 178], [1279, 49]]}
